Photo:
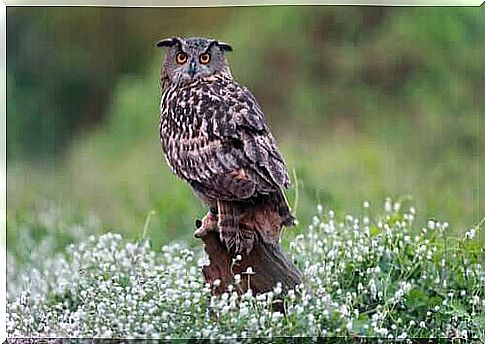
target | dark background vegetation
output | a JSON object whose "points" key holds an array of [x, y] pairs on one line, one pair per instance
{"points": [[365, 103]]}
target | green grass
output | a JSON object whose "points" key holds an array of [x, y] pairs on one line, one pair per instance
{"points": [[369, 275]]}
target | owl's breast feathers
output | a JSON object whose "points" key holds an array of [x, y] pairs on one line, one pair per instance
{"points": [[214, 136]]}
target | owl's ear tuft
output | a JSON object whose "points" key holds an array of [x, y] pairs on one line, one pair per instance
{"points": [[224, 46], [167, 42]]}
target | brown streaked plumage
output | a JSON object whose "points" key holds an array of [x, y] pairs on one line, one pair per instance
{"points": [[215, 137]]}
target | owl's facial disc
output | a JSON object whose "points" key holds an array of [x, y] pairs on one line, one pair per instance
{"points": [[191, 59]]}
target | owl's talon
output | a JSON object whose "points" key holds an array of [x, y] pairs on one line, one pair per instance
{"points": [[206, 225]]}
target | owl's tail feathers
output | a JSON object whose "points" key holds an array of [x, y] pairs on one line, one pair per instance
{"points": [[233, 233]]}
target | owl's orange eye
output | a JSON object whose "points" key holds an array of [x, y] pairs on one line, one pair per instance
{"points": [[181, 57], [205, 58]]}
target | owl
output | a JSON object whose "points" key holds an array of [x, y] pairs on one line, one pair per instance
{"points": [[215, 137]]}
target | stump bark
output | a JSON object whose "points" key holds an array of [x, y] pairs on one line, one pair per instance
{"points": [[268, 263]]}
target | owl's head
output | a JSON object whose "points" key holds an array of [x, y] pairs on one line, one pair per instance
{"points": [[193, 58]]}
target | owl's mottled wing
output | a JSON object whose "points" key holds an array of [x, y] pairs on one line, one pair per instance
{"points": [[234, 155]]}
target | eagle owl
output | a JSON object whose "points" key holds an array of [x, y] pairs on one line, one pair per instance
{"points": [[215, 137]]}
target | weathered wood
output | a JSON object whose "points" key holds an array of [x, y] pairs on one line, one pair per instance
{"points": [[268, 262]]}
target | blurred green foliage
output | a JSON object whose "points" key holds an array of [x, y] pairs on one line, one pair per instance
{"points": [[365, 102]]}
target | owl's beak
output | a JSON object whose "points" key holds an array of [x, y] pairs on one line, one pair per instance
{"points": [[192, 68]]}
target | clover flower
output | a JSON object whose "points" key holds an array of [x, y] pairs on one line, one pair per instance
{"points": [[362, 276]]}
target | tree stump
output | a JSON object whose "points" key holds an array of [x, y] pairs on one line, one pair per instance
{"points": [[268, 263]]}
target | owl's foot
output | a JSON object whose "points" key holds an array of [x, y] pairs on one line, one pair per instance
{"points": [[237, 240], [206, 225]]}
